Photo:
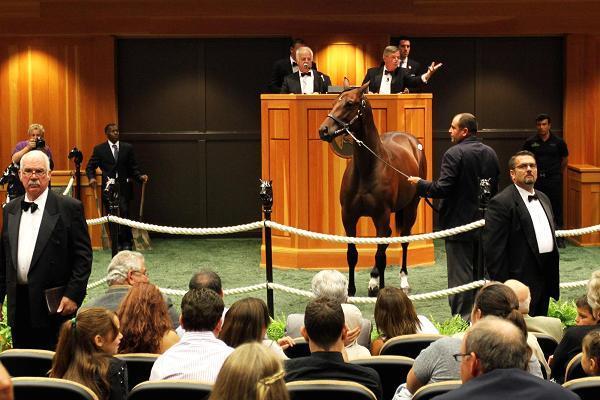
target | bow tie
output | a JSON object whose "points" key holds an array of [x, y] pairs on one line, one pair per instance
{"points": [[25, 206], [532, 197], [304, 73], [386, 72]]}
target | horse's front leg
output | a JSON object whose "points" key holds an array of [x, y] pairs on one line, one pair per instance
{"points": [[351, 254], [382, 225]]}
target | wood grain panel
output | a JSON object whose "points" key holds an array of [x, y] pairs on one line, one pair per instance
{"points": [[282, 190], [279, 123]]}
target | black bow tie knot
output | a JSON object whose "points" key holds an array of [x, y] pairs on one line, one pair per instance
{"points": [[304, 73], [25, 206], [532, 197], [386, 72]]}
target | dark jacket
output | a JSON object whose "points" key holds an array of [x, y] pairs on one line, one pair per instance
{"points": [[401, 78], [291, 83]]}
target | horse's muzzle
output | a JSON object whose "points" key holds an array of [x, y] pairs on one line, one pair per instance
{"points": [[324, 134]]}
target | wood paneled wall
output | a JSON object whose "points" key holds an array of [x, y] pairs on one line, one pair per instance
{"points": [[65, 84]]}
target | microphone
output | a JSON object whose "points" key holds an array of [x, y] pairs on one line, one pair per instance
{"points": [[305, 65]]}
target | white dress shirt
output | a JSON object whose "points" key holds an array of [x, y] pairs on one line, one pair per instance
{"points": [[307, 82], [386, 83], [541, 225], [198, 356], [29, 228]]}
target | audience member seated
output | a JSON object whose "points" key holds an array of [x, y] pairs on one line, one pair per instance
{"points": [[353, 320], [250, 372], [325, 330], [570, 345], [395, 315], [538, 324], [205, 279], [84, 354], [199, 355], [247, 321], [436, 363], [590, 360], [125, 269], [334, 285], [585, 316], [145, 322], [493, 359]]}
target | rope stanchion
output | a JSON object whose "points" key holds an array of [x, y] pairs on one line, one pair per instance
{"points": [[69, 186]]}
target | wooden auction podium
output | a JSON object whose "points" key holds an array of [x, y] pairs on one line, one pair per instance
{"points": [[307, 175]]}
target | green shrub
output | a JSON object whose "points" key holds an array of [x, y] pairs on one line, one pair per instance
{"points": [[451, 326], [277, 328], [5, 333], [565, 310]]}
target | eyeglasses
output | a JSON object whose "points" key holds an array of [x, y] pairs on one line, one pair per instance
{"points": [[144, 273], [525, 165], [30, 171], [459, 356]]}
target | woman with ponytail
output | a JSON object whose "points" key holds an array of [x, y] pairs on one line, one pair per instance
{"points": [[84, 354]]}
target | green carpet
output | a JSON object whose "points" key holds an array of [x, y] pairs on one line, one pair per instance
{"points": [[172, 262]]}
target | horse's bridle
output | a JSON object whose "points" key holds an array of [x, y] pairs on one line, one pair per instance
{"points": [[345, 126]]}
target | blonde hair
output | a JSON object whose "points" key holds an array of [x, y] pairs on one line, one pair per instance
{"points": [[593, 293], [252, 371]]}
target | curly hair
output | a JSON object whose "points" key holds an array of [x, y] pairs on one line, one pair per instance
{"points": [[144, 319]]}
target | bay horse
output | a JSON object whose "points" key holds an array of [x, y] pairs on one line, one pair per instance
{"points": [[374, 183]]}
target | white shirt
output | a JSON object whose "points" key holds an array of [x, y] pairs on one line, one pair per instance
{"points": [[198, 356], [294, 65], [307, 83], [112, 149], [29, 228], [541, 225], [386, 83]]}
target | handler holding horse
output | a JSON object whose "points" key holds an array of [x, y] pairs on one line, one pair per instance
{"points": [[464, 165]]}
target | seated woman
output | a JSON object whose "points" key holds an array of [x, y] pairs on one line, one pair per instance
{"points": [[590, 361], [145, 321], [570, 345], [436, 363], [250, 372], [395, 315], [247, 321], [84, 354]]}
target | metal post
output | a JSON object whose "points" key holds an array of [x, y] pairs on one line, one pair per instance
{"points": [[112, 189], [77, 157], [266, 195], [484, 198]]}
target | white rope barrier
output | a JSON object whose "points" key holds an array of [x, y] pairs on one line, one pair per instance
{"points": [[69, 186], [187, 231]]}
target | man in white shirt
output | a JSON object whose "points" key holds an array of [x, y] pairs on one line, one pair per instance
{"points": [[199, 355], [306, 80], [518, 236]]}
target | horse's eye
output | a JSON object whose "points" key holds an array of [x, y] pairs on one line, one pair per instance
{"points": [[349, 103]]}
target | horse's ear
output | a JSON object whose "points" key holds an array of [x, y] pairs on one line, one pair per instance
{"points": [[364, 88], [346, 83]]}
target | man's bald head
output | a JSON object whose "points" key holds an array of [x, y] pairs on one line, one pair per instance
{"points": [[522, 292]]}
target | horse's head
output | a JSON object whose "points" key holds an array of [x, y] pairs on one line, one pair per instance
{"points": [[346, 110]]}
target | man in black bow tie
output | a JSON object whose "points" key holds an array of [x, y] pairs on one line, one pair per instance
{"points": [[391, 78], [307, 80], [285, 66], [518, 237], [45, 245]]}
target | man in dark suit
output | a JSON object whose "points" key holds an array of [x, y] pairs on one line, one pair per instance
{"points": [[286, 66], [117, 161], [518, 237], [307, 80], [464, 165], [493, 362], [411, 67], [45, 245], [390, 78]]}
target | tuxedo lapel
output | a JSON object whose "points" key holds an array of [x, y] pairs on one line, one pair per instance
{"points": [[47, 225], [14, 221], [377, 79], [526, 222]]}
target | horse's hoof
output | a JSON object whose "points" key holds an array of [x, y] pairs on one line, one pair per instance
{"points": [[351, 292], [373, 289], [404, 285]]}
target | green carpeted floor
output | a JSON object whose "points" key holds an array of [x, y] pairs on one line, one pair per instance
{"points": [[172, 262]]}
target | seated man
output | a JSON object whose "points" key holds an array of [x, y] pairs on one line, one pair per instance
{"points": [[494, 355], [199, 355], [334, 285], [306, 80], [126, 269], [324, 330], [540, 324]]}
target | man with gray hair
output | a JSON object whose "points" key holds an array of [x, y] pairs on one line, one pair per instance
{"points": [[494, 356], [307, 80], [125, 270], [333, 285]]}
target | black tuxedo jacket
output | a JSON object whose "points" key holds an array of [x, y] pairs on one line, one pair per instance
{"points": [[291, 83], [62, 255], [126, 166], [281, 69], [510, 246], [400, 80], [413, 67]]}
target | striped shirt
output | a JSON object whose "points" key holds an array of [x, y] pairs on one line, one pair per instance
{"points": [[197, 356]]}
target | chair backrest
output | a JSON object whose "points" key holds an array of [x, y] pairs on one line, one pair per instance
{"points": [[295, 321], [392, 371], [574, 369], [586, 388], [299, 349], [26, 388], [179, 389], [435, 389], [139, 366], [329, 389], [408, 345], [547, 343], [27, 362]]}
